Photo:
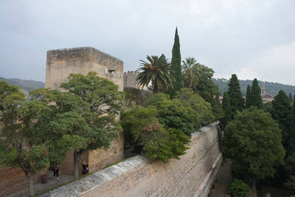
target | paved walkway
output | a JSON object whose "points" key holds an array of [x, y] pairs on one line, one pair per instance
{"points": [[51, 183], [223, 180]]}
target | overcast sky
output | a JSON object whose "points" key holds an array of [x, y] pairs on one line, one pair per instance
{"points": [[254, 39]]}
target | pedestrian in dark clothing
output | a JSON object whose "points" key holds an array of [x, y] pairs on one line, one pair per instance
{"points": [[85, 169], [55, 172]]}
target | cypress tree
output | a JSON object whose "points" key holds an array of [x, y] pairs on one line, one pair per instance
{"points": [[256, 99], [235, 95], [176, 65], [227, 110], [292, 131], [281, 112], [248, 97]]}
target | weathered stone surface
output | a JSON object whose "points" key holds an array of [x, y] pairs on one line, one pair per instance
{"points": [[60, 63], [192, 175]]}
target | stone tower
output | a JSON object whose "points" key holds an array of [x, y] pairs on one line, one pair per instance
{"points": [[263, 90], [62, 62], [130, 80]]}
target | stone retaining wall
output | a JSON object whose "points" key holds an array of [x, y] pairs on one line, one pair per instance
{"points": [[192, 175]]}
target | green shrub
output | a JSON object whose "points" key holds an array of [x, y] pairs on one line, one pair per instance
{"points": [[175, 113], [141, 127], [197, 103], [239, 189]]}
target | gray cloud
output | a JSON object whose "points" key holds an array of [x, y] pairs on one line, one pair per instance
{"points": [[250, 38]]}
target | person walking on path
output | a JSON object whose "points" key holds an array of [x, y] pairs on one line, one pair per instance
{"points": [[55, 172]]}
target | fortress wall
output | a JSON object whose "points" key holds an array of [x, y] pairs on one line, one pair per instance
{"points": [[192, 175], [14, 179]]}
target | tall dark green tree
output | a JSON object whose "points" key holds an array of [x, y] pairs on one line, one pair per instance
{"points": [[207, 89], [281, 112], [256, 99], [248, 96], [292, 130], [176, 65], [235, 95], [247, 141], [227, 110]]}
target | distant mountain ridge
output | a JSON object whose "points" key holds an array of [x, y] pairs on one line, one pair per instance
{"points": [[26, 85], [270, 87]]}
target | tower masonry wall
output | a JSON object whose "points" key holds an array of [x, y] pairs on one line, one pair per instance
{"points": [[61, 62]]}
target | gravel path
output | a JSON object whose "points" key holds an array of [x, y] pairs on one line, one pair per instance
{"points": [[223, 180]]}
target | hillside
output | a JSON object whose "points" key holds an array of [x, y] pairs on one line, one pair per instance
{"points": [[26, 85], [271, 87]]}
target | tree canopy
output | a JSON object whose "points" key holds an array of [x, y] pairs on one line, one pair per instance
{"points": [[281, 112], [142, 127], [175, 113], [99, 105], [253, 141], [23, 143]]}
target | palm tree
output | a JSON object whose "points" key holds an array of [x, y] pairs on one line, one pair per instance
{"points": [[156, 70], [190, 73]]}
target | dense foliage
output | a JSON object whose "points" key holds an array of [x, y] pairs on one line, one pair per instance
{"points": [[290, 171], [208, 90], [247, 141], [239, 189], [227, 110], [175, 114], [281, 112], [248, 97], [198, 104], [23, 143], [291, 136], [141, 127]]}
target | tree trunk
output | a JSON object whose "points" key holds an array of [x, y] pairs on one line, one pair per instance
{"points": [[254, 187], [76, 164], [31, 185]]}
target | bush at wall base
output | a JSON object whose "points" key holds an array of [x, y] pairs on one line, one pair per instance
{"points": [[239, 189]]}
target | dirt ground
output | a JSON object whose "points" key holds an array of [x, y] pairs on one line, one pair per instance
{"points": [[223, 180], [51, 183]]}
